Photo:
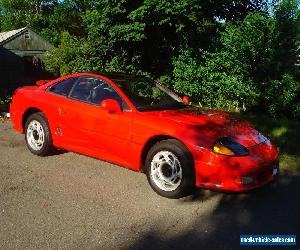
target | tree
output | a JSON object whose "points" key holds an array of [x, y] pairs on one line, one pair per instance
{"points": [[20, 13], [287, 21], [231, 54]]}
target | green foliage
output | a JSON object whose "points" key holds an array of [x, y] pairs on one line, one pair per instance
{"points": [[255, 66], [211, 81], [115, 40], [230, 77], [65, 17], [287, 21], [20, 13], [48, 17], [233, 55], [140, 36], [72, 55], [283, 97], [250, 45]]}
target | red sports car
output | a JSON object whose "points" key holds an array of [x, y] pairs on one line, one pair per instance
{"points": [[137, 123]]}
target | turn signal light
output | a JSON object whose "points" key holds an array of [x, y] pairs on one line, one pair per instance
{"points": [[220, 149]]}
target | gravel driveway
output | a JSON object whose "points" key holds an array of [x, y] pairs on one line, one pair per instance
{"points": [[70, 201]]}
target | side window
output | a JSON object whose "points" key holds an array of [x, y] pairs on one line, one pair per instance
{"points": [[63, 88], [94, 90]]}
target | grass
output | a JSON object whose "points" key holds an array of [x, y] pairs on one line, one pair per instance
{"points": [[285, 134]]}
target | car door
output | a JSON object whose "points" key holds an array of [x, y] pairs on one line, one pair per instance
{"points": [[57, 98], [89, 129]]}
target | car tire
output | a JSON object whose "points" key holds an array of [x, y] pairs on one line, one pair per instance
{"points": [[170, 169], [38, 136]]}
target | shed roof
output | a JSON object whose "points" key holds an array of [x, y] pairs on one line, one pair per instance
{"points": [[5, 36]]}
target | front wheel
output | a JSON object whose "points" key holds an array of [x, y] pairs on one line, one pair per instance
{"points": [[37, 135], [170, 169]]}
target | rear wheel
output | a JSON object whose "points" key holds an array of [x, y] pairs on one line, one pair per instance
{"points": [[170, 169], [37, 135]]}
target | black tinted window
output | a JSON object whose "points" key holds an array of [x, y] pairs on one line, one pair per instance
{"points": [[63, 88], [148, 95], [94, 90]]}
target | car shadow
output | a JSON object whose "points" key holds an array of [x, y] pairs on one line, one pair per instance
{"points": [[59, 152], [272, 209]]}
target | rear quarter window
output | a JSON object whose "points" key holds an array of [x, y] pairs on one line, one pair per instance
{"points": [[63, 88]]}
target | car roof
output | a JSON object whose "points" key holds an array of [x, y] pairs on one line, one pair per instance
{"points": [[120, 76]]}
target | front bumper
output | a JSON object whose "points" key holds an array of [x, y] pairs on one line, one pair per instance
{"points": [[238, 174]]}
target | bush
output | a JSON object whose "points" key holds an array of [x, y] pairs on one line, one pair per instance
{"points": [[209, 82], [282, 97], [250, 44], [70, 56], [255, 66]]}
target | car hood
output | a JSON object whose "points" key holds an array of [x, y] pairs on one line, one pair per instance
{"points": [[206, 126]]}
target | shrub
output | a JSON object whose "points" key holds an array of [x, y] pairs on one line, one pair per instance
{"points": [[282, 97], [209, 82], [69, 57]]}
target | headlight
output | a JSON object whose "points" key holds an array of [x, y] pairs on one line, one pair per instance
{"points": [[227, 146]]}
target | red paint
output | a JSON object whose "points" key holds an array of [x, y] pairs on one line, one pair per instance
{"points": [[107, 133], [111, 106], [42, 82]]}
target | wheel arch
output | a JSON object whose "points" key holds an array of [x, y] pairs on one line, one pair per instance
{"points": [[152, 141], [28, 112]]}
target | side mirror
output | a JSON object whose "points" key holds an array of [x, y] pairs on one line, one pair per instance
{"points": [[186, 100], [111, 106]]}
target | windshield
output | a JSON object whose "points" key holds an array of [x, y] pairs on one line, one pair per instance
{"points": [[146, 94]]}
